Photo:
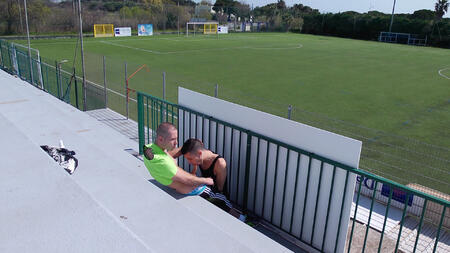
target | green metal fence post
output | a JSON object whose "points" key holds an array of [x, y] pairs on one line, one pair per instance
{"points": [[385, 218], [439, 229], [42, 73], [342, 208], [57, 80], [328, 212], [1, 54], [30, 68], [420, 223], [295, 192], [76, 88], [401, 222], [317, 201], [305, 201], [140, 104], [247, 168], [370, 216]]}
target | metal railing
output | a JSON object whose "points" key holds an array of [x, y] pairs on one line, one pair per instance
{"points": [[50, 76], [259, 181]]}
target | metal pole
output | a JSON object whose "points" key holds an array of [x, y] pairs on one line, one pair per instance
{"points": [[289, 111], [28, 38], [57, 80], [126, 88], [392, 17], [104, 82], [216, 90], [82, 56], [164, 85], [60, 81], [76, 88]]}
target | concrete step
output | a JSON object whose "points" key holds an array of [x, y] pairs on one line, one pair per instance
{"points": [[44, 210]]}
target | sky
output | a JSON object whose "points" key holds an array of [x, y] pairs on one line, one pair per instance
{"points": [[334, 6]]}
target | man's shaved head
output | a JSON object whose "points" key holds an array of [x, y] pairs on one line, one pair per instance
{"points": [[167, 136], [164, 129]]}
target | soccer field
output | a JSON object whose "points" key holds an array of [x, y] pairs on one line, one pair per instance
{"points": [[394, 98]]}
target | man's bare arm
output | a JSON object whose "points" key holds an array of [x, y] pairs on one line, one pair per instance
{"points": [[191, 180], [175, 153], [220, 170]]}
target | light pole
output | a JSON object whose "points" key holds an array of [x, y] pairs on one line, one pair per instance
{"points": [[392, 17], [28, 38], [82, 55]]}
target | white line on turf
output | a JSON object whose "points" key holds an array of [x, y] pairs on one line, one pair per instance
{"points": [[292, 46], [175, 39], [443, 74]]}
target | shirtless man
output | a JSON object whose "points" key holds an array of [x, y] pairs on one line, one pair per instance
{"points": [[211, 164]]}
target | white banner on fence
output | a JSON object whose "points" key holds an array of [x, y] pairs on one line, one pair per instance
{"points": [[272, 189], [122, 31], [222, 29]]}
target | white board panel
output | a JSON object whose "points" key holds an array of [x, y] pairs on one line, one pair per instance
{"points": [[327, 144]]}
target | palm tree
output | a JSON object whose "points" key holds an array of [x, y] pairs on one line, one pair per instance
{"points": [[441, 7]]}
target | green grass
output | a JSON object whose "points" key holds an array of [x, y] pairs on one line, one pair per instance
{"points": [[389, 96]]}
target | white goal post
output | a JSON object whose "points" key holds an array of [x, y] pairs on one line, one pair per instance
{"points": [[209, 27], [35, 56]]}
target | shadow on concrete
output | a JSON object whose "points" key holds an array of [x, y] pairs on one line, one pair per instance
{"points": [[168, 190]]}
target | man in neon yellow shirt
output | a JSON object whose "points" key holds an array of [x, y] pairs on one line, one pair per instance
{"points": [[158, 158]]}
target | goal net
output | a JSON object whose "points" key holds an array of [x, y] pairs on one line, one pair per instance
{"points": [[20, 53], [103, 30], [193, 28]]}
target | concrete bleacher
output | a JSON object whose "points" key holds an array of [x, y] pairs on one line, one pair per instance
{"points": [[110, 203]]}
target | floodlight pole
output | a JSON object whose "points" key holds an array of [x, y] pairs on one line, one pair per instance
{"points": [[82, 56], [28, 38], [392, 17]]}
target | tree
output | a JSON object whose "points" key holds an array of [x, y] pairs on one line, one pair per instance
{"points": [[10, 15], [423, 14], [38, 13], [441, 7], [224, 6]]}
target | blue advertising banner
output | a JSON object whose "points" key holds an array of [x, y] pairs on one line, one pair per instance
{"points": [[397, 194], [145, 29]]}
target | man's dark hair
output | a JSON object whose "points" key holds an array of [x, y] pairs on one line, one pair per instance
{"points": [[164, 128], [191, 145]]}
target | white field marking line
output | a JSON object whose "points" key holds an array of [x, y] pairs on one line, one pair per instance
{"points": [[135, 48], [443, 74], [102, 87], [202, 50], [178, 39]]}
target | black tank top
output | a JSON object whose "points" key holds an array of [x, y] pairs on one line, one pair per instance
{"points": [[209, 172]]}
